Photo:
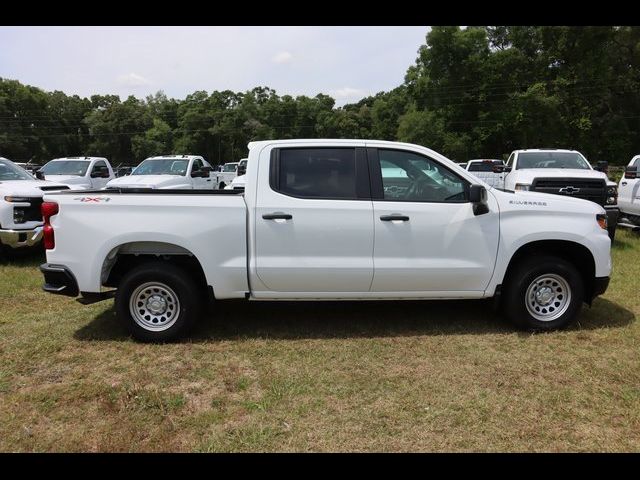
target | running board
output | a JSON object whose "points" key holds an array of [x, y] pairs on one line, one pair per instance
{"points": [[88, 298]]}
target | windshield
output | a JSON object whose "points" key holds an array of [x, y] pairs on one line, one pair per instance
{"points": [[162, 166], [66, 167], [229, 167], [551, 160], [10, 171]]}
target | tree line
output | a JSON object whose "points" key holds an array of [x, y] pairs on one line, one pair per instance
{"points": [[477, 92]]}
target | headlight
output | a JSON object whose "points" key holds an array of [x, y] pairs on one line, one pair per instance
{"points": [[520, 187], [601, 218]]}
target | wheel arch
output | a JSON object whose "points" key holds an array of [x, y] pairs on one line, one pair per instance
{"points": [[576, 253], [126, 256]]}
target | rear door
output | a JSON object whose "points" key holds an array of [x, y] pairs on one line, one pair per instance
{"points": [[427, 237], [313, 222]]}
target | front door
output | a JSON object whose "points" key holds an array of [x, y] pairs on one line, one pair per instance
{"points": [[314, 224], [427, 237]]}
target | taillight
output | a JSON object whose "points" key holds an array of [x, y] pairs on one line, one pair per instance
{"points": [[48, 210]]}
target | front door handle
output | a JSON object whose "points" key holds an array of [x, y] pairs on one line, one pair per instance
{"points": [[394, 216], [277, 216]]}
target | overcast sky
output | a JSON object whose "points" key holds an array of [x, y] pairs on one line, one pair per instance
{"points": [[347, 63]]}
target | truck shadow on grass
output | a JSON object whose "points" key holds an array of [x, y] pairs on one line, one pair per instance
{"points": [[311, 320]]}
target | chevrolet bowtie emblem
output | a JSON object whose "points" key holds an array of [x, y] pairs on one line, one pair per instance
{"points": [[569, 190]]}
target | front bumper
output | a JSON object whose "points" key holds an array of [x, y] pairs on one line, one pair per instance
{"points": [[59, 280], [21, 238]]}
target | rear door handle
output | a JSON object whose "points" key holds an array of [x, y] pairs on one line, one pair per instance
{"points": [[394, 216], [277, 216], [624, 184]]}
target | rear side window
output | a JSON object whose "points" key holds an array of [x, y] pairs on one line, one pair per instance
{"points": [[482, 166], [316, 173]]}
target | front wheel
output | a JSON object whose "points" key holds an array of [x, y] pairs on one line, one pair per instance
{"points": [[543, 293], [157, 302]]}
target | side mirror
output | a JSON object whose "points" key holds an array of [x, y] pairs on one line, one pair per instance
{"points": [[631, 173], [479, 198], [39, 174], [602, 166], [242, 170], [497, 168]]}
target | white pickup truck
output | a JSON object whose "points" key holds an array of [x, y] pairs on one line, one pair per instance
{"points": [[304, 229], [227, 173], [490, 171], [562, 172], [79, 173], [181, 172], [20, 200], [629, 192]]}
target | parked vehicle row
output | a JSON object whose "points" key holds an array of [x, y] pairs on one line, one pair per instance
{"points": [[554, 171], [304, 228]]}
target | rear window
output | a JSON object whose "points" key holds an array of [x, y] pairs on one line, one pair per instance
{"points": [[483, 166], [317, 173]]}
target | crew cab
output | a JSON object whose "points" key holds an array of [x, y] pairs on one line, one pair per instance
{"points": [[491, 171], [79, 173], [629, 192], [562, 172], [182, 172], [20, 200], [327, 220]]}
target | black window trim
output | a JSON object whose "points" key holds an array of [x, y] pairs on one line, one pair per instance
{"points": [[363, 184], [375, 171]]}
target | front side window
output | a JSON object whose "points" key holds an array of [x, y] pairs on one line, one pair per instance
{"points": [[11, 171], [66, 167], [99, 167], [317, 173], [571, 160], [162, 166], [407, 176], [229, 167], [197, 165]]}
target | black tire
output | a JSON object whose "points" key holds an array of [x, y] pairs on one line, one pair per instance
{"points": [[182, 293], [221, 186], [547, 269]]}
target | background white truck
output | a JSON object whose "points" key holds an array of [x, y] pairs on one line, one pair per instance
{"points": [[629, 192], [183, 172], [20, 200], [304, 229], [562, 172], [227, 173], [490, 171], [79, 173]]}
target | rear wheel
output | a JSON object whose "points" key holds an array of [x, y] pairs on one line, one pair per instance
{"points": [[543, 293], [158, 302]]}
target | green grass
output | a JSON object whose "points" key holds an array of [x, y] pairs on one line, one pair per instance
{"points": [[343, 376]]}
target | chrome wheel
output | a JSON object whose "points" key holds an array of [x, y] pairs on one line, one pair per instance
{"points": [[154, 306], [548, 297]]}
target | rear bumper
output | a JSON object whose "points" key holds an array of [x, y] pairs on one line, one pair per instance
{"points": [[600, 285], [21, 238], [59, 280]]}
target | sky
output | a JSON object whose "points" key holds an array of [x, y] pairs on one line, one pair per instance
{"points": [[348, 63]]}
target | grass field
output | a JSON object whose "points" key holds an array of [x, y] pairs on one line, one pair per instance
{"points": [[414, 376]]}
